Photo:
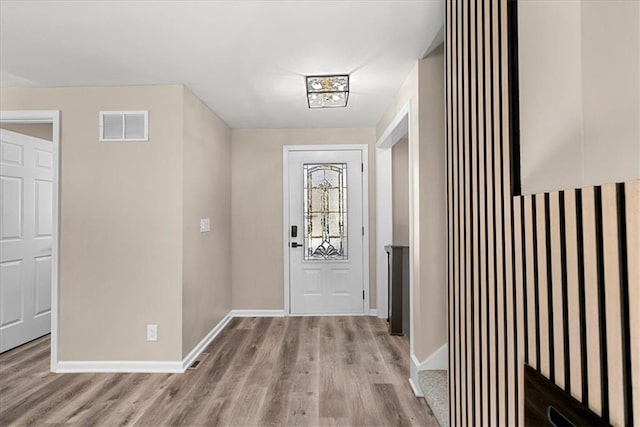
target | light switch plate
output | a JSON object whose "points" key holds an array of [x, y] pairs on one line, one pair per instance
{"points": [[152, 332], [205, 225]]}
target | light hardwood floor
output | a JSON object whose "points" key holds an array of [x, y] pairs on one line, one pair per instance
{"points": [[259, 371]]}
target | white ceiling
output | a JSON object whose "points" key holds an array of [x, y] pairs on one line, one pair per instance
{"points": [[245, 59]]}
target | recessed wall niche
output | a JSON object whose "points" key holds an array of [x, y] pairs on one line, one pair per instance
{"points": [[579, 93]]}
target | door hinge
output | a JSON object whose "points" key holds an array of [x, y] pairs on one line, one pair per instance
{"points": [[362, 167], [362, 294], [363, 230]]}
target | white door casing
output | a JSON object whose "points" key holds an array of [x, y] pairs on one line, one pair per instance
{"points": [[26, 230], [332, 283]]}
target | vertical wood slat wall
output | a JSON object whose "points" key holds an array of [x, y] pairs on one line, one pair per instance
{"points": [[551, 280]]}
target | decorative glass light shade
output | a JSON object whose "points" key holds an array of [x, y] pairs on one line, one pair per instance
{"points": [[327, 91]]}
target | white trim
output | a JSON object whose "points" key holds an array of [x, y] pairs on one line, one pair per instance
{"points": [[437, 361], [145, 365], [414, 364], [399, 127], [327, 314], [257, 313], [176, 366], [364, 148], [366, 285], [393, 133], [384, 232], [285, 227], [52, 117], [373, 312], [193, 354], [416, 390], [120, 366]]}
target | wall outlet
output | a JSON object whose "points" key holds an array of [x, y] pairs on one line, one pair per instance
{"points": [[205, 225], [152, 332]]}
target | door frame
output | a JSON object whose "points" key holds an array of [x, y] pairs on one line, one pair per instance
{"points": [[364, 148], [53, 117], [399, 127]]}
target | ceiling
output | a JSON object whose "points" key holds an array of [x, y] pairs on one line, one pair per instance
{"points": [[245, 59]]}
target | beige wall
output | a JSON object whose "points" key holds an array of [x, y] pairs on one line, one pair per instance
{"points": [[432, 294], [120, 223], [579, 93], [38, 130], [131, 253], [550, 95], [423, 89], [206, 272], [400, 191], [611, 90], [257, 209]]}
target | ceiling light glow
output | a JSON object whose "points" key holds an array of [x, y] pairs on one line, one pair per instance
{"points": [[327, 91]]}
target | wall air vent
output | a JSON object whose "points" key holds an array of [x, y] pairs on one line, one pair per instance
{"points": [[124, 125]]}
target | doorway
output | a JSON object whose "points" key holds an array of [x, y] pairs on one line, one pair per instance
{"points": [[397, 133], [29, 228], [325, 210]]}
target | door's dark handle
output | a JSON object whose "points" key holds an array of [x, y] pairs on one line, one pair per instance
{"points": [[296, 245], [557, 419]]}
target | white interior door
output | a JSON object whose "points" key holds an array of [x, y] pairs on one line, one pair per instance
{"points": [[26, 225], [326, 253]]}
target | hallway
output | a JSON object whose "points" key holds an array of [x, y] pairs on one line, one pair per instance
{"points": [[258, 371]]}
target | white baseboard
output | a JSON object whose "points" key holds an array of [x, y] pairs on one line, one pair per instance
{"points": [[413, 375], [328, 314], [171, 367], [416, 390], [63, 367], [193, 354], [281, 313], [167, 366], [438, 360], [257, 313]]}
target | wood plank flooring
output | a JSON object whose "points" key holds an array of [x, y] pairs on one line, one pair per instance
{"points": [[298, 371]]}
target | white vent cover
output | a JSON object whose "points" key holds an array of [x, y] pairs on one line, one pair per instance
{"points": [[124, 125]]}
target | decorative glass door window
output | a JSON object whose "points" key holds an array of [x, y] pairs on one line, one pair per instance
{"points": [[325, 211]]}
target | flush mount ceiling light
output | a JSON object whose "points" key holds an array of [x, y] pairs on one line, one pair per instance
{"points": [[327, 91]]}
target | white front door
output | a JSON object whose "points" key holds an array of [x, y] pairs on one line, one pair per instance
{"points": [[326, 232], [26, 226]]}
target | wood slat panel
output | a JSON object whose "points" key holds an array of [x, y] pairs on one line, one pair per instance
{"points": [[483, 268], [490, 185], [519, 293], [543, 286], [530, 277], [512, 347], [467, 406], [455, 415], [632, 211], [556, 288], [532, 325], [500, 376], [450, 200], [573, 295], [591, 299], [475, 217], [612, 280]]}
